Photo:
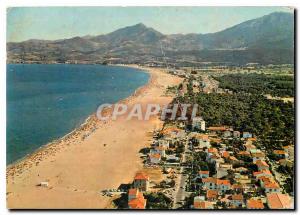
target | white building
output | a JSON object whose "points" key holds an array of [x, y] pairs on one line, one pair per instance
{"points": [[198, 123]]}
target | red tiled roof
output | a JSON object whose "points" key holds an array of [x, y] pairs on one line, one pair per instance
{"points": [[244, 153], [204, 172], [224, 182], [278, 201], [137, 203], [211, 194], [212, 150], [202, 205], [265, 179], [210, 180], [220, 128], [254, 204], [237, 186], [133, 191], [261, 163], [237, 197], [258, 155], [156, 155], [215, 140], [265, 171], [202, 136], [272, 185], [279, 152], [141, 176], [225, 154]]}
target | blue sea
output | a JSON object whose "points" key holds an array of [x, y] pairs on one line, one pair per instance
{"points": [[45, 102]]}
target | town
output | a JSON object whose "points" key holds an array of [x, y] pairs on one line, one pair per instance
{"points": [[210, 167]]}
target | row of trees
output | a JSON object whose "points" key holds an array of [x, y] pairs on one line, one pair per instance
{"points": [[276, 85]]}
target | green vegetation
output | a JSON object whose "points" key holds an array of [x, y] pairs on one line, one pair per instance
{"points": [[158, 201], [275, 85], [271, 120]]}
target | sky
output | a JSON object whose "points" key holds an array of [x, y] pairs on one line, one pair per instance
{"points": [[52, 23]]}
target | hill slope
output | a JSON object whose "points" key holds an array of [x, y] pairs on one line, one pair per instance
{"points": [[268, 39]]}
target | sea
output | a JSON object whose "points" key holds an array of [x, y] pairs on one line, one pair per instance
{"points": [[47, 101]]}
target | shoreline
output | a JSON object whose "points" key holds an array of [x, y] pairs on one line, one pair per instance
{"points": [[78, 169], [91, 120]]}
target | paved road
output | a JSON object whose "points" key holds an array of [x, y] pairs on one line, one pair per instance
{"points": [[180, 192]]}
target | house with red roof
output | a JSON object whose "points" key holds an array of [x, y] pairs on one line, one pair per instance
{"points": [[261, 165], [203, 174], [141, 181], [279, 201], [223, 185], [272, 187], [136, 199], [280, 153], [209, 183], [258, 156], [237, 200], [265, 173], [200, 203], [155, 158], [212, 195], [255, 204]]}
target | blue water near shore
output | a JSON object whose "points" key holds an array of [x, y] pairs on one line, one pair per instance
{"points": [[45, 102]]}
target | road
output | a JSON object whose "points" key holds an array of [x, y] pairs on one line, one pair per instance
{"points": [[180, 193], [210, 83]]}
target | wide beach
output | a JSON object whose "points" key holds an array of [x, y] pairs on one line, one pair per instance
{"points": [[97, 156]]}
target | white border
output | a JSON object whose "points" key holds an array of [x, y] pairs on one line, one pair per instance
{"points": [[14, 3]]}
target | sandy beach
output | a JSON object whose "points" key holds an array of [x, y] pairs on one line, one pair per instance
{"points": [[100, 155]]}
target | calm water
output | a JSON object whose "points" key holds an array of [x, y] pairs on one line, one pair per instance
{"points": [[45, 102]]}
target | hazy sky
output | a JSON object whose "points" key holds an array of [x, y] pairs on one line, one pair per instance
{"points": [[65, 22]]}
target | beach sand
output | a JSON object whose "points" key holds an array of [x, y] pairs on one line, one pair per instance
{"points": [[78, 169]]}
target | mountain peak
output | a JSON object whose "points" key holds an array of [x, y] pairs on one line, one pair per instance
{"points": [[140, 25]]}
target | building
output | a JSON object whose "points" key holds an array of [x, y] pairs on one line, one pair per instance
{"points": [[172, 158], [257, 156], [216, 129], [247, 134], [237, 188], [255, 204], [280, 153], [209, 183], [212, 195], [261, 165], [285, 162], [223, 185], [158, 150], [265, 173], [279, 201], [225, 154], [203, 141], [271, 187], [227, 134], [203, 174], [141, 181], [236, 134], [198, 124], [200, 203], [164, 143], [155, 158], [136, 199], [222, 170], [244, 153], [237, 200]]}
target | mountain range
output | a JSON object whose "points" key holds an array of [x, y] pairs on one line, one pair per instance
{"points": [[265, 40]]}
